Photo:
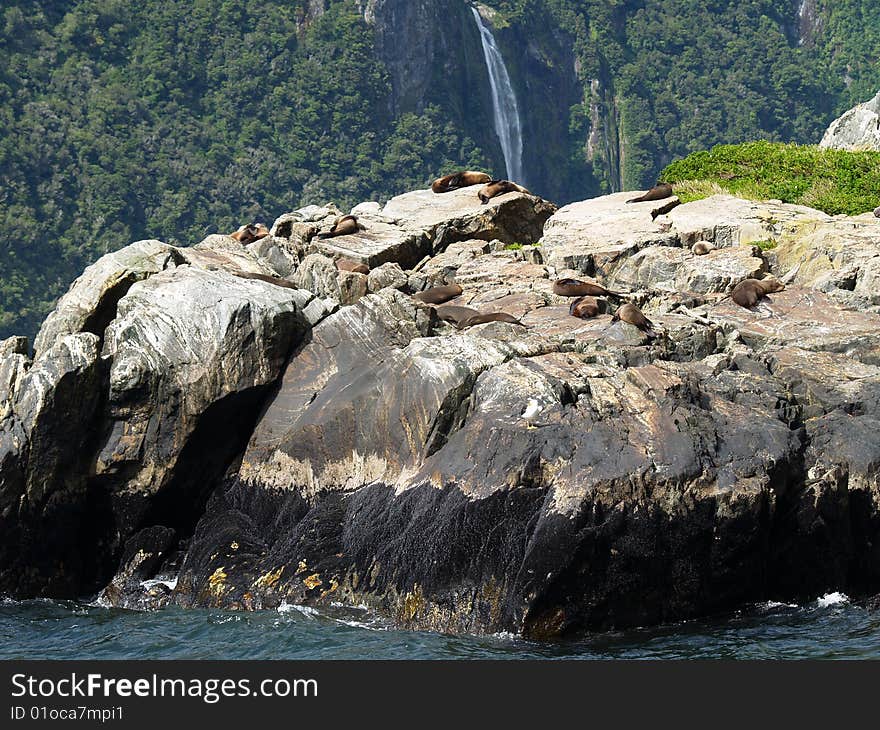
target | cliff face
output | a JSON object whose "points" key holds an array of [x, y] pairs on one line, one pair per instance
{"points": [[433, 54], [256, 425]]}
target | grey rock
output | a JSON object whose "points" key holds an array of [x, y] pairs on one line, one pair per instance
{"points": [[384, 276], [856, 129], [90, 304], [184, 341]]}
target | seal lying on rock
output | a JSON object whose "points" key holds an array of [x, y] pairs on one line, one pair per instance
{"points": [[749, 291], [438, 294], [658, 192], [584, 307], [484, 317], [664, 209], [499, 187], [631, 314], [701, 248], [249, 233], [344, 226], [455, 314], [460, 179], [578, 288], [356, 267]]}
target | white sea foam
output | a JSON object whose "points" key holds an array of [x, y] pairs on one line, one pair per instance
{"points": [[773, 605], [307, 611], [504, 636], [169, 583], [832, 599], [375, 626]]}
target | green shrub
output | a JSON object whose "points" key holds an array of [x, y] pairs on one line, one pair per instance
{"points": [[833, 181]]}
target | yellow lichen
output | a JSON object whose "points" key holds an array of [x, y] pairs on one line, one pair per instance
{"points": [[301, 568], [313, 581], [413, 603], [234, 545], [334, 584], [217, 582], [269, 579]]}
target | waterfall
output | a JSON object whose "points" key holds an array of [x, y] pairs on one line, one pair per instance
{"points": [[504, 108]]}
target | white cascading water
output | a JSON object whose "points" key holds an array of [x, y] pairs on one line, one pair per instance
{"points": [[504, 107]]}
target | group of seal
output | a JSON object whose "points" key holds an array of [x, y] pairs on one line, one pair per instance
{"points": [[587, 305], [465, 178], [459, 315], [746, 293]]}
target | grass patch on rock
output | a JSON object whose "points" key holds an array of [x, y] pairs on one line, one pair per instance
{"points": [[833, 181]]}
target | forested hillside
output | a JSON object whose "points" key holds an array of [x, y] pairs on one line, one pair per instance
{"points": [[170, 119]]}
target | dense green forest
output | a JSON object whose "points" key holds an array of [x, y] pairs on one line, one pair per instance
{"points": [[170, 119]]}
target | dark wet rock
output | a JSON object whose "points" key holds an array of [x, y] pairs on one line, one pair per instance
{"points": [[144, 554], [53, 526]]}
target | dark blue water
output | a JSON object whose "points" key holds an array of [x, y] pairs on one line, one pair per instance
{"points": [[830, 627]]}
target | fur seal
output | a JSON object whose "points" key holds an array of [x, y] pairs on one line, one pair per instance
{"points": [[877, 212], [658, 192], [343, 226], [249, 233], [578, 288], [455, 314], [701, 248], [584, 307], [356, 267], [664, 209], [265, 277], [499, 187], [438, 294], [749, 291], [484, 317], [633, 315], [460, 179]]}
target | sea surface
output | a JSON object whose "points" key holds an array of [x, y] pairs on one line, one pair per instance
{"points": [[831, 627]]}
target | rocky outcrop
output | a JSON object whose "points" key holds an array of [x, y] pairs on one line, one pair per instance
{"points": [[250, 443], [856, 129], [575, 473], [152, 369]]}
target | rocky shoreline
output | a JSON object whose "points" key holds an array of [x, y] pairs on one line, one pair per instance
{"points": [[331, 440]]}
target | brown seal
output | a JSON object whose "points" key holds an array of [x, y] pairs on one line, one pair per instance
{"points": [[455, 314], [658, 192], [701, 248], [484, 317], [249, 233], [438, 294], [749, 291], [578, 288], [877, 212], [265, 277], [499, 187], [460, 179], [584, 307], [344, 226], [356, 267], [664, 209], [633, 315]]}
